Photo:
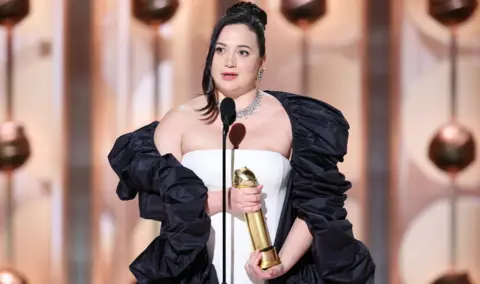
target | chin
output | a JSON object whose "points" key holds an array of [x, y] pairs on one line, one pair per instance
{"points": [[228, 89]]}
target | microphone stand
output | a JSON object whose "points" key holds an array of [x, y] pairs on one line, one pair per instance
{"points": [[226, 128], [228, 114]]}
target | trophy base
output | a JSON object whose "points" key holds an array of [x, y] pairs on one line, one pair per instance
{"points": [[269, 258]]}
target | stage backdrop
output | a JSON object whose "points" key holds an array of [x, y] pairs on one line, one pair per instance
{"points": [[124, 98], [421, 220], [38, 105]]}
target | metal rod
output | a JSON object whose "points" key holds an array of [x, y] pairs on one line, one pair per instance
{"points": [[8, 218], [156, 73], [305, 64], [156, 88], [453, 116], [9, 71], [224, 206], [453, 74], [9, 174], [453, 222]]}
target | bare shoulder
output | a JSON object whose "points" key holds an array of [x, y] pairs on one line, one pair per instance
{"points": [[195, 104], [181, 115], [277, 124], [276, 111], [168, 135]]}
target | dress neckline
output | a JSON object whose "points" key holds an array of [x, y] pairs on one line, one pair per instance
{"points": [[271, 93], [236, 150]]}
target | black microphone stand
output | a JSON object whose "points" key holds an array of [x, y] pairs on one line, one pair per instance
{"points": [[226, 128], [228, 114]]}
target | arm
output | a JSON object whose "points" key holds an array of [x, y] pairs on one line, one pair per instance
{"points": [[298, 242], [169, 193], [318, 196], [168, 135], [214, 202], [168, 139], [242, 201], [318, 193]]}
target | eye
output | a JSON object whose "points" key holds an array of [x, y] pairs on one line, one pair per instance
{"points": [[219, 49], [244, 53]]}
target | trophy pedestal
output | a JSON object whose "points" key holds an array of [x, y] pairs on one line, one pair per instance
{"points": [[269, 258]]}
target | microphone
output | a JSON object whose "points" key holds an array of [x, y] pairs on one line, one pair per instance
{"points": [[228, 114]]}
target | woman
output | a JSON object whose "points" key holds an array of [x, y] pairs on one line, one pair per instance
{"points": [[292, 143]]}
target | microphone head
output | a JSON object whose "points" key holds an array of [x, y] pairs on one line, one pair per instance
{"points": [[228, 111]]}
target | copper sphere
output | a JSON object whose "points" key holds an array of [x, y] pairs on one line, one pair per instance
{"points": [[13, 11], [303, 13], [154, 12], [453, 278], [452, 148], [14, 146], [451, 12], [9, 276]]}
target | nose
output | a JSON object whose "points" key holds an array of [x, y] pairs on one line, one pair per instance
{"points": [[230, 60]]}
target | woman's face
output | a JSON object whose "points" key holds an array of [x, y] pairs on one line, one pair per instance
{"points": [[236, 60]]}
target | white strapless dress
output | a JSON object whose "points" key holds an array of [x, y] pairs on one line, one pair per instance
{"points": [[272, 171]]}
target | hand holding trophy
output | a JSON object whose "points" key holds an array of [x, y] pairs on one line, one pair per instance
{"points": [[245, 178]]}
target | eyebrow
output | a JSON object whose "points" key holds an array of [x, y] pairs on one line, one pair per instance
{"points": [[242, 45]]}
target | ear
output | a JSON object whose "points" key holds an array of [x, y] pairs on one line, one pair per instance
{"points": [[263, 62]]}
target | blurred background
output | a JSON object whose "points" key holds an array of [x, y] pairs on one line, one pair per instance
{"points": [[75, 75]]}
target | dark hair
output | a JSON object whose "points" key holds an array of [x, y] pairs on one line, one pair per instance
{"points": [[245, 13]]}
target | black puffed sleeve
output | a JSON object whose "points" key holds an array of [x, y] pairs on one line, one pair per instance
{"points": [[318, 192], [173, 195]]}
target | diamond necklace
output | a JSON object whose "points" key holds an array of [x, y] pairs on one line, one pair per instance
{"points": [[249, 110]]}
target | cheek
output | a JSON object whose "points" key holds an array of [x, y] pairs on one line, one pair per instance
{"points": [[216, 66], [250, 70]]}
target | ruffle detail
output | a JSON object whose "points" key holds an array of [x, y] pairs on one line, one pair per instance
{"points": [[317, 196], [169, 193]]}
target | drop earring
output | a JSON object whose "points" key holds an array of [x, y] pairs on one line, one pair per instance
{"points": [[260, 74]]}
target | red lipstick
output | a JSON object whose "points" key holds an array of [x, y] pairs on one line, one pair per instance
{"points": [[228, 76]]}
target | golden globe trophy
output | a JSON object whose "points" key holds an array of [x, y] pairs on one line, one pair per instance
{"points": [[244, 178]]}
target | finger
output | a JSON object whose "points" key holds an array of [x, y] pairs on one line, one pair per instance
{"points": [[257, 271], [252, 198], [251, 262], [251, 190], [274, 271], [248, 265], [246, 204], [252, 209], [253, 256], [247, 268]]}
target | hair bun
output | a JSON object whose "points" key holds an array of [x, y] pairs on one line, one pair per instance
{"points": [[249, 8]]}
